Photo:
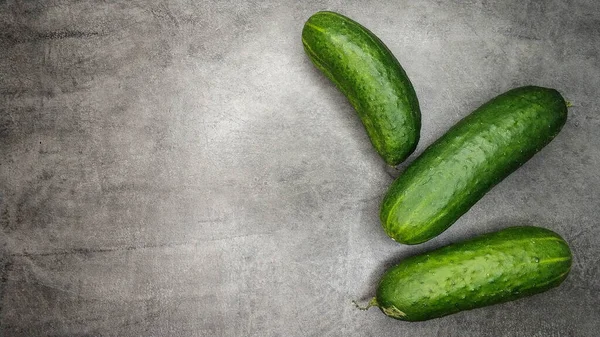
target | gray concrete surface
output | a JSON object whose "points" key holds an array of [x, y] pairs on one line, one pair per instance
{"points": [[179, 168]]}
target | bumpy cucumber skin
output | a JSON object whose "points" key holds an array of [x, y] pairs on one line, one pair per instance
{"points": [[453, 173], [367, 73], [493, 268]]}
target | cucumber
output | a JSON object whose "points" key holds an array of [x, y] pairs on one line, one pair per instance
{"points": [[454, 172], [492, 268], [367, 73]]}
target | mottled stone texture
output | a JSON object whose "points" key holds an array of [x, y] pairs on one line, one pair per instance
{"points": [[179, 168]]}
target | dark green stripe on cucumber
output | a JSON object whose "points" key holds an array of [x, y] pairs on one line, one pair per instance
{"points": [[454, 172], [367, 73], [492, 268]]}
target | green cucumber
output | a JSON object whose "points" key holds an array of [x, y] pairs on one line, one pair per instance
{"points": [[490, 269], [454, 172], [367, 73]]}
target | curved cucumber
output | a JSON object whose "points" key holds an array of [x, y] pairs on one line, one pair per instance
{"points": [[453, 173], [493, 268], [365, 70]]}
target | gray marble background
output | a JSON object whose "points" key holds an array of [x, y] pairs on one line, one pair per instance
{"points": [[179, 168]]}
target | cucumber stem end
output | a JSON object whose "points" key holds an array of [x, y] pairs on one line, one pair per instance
{"points": [[372, 303]]}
